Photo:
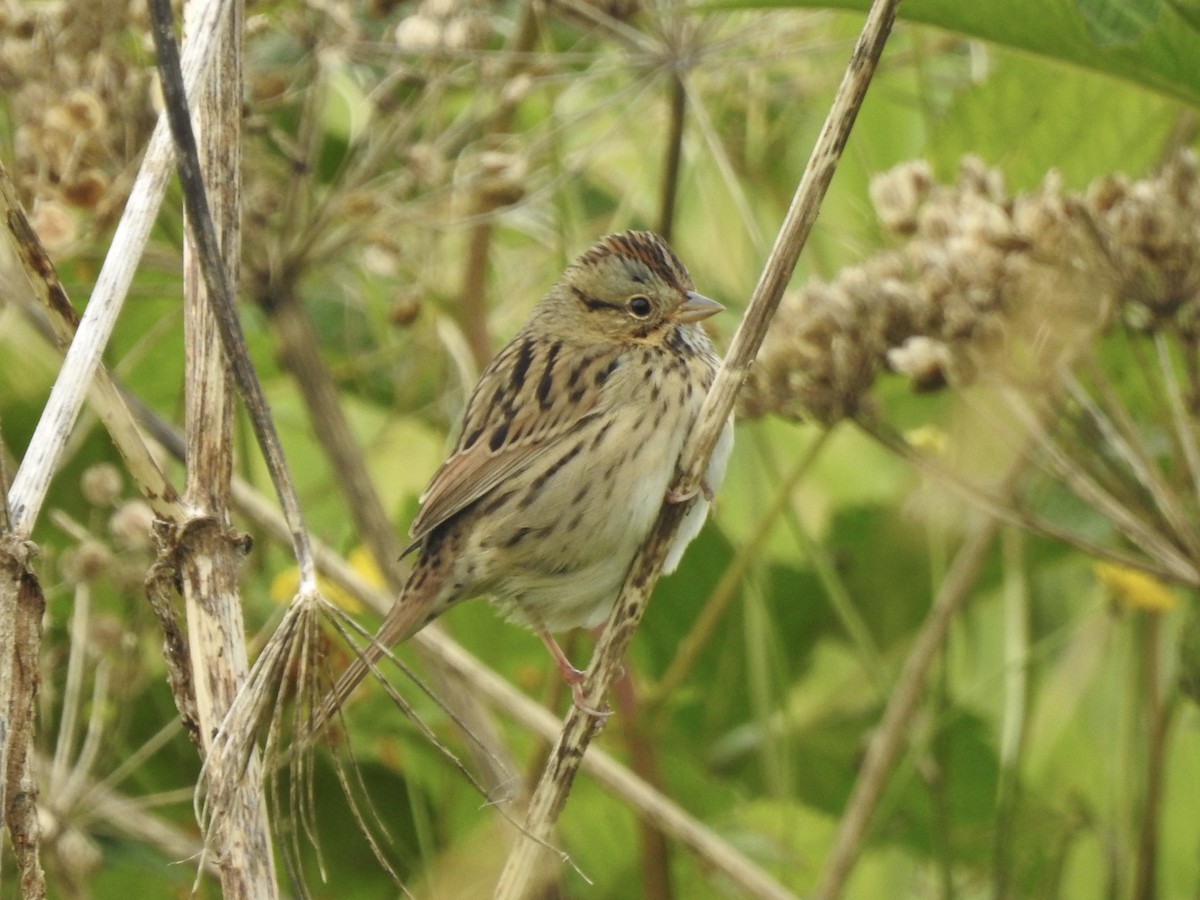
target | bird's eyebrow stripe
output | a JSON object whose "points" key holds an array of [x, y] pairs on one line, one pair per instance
{"points": [[592, 302]]}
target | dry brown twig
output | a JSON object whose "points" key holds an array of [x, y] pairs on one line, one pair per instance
{"points": [[565, 758], [204, 550], [24, 498]]}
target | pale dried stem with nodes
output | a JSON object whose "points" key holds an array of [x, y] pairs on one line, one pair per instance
{"points": [[22, 601], [523, 865], [204, 550]]}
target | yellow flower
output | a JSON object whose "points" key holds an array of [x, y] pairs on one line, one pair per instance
{"points": [[1135, 589], [929, 438], [283, 586]]}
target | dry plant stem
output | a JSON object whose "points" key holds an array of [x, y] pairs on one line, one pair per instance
{"points": [[472, 312], [712, 851], [565, 758], [220, 286], [890, 735], [22, 606], [300, 353], [1016, 708], [78, 371], [1157, 715], [106, 398], [206, 550], [674, 153]]}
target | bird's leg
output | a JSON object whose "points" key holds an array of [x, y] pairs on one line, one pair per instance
{"points": [[685, 496], [571, 675]]}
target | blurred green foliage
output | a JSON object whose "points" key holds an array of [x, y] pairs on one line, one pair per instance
{"points": [[361, 171]]}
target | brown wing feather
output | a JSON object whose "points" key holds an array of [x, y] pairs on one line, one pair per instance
{"points": [[531, 394]]}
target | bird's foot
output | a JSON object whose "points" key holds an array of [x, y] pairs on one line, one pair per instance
{"points": [[685, 496], [572, 676]]}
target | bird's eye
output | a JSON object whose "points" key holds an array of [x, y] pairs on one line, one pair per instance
{"points": [[639, 306]]}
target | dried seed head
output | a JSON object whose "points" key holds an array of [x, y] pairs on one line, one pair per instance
{"points": [[87, 190], [85, 562], [85, 110], [131, 525], [418, 34], [101, 484], [1007, 288], [501, 180], [898, 194], [54, 224]]}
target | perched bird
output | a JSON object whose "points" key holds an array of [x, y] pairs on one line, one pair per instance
{"points": [[569, 445]]}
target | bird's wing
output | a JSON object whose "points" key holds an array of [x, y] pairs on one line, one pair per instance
{"points": [[532, 394]]}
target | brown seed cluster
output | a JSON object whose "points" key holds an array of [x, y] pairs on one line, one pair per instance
{"points": [[81, 102], [449, 26], [986, 284]]}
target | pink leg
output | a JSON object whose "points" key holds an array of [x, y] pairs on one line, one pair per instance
{"points": [[685, 496], [571, 675]]}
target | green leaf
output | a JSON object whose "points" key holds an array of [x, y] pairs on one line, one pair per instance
{"points": [[1119, 21], [1158, 51]]}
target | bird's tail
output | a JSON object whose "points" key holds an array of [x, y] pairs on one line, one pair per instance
{"points": [[406, 617]]}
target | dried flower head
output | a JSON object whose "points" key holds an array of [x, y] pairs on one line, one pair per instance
{"points": [[986, 285]]}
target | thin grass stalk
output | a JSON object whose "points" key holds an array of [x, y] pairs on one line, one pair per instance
{"points": [[551, 794], [1121, 434], [1014, 720], [705, 625], [673, 152], [1184, 421], [889, 737], [1153, 544], [1156, 711], [72, 693]]}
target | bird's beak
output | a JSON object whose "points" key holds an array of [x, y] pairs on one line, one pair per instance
{"points": [[696, 307]]}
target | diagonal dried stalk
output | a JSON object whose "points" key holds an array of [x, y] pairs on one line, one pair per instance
{"points": [[29, 487], [889, 737], [63, 322], [564, 761]]}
